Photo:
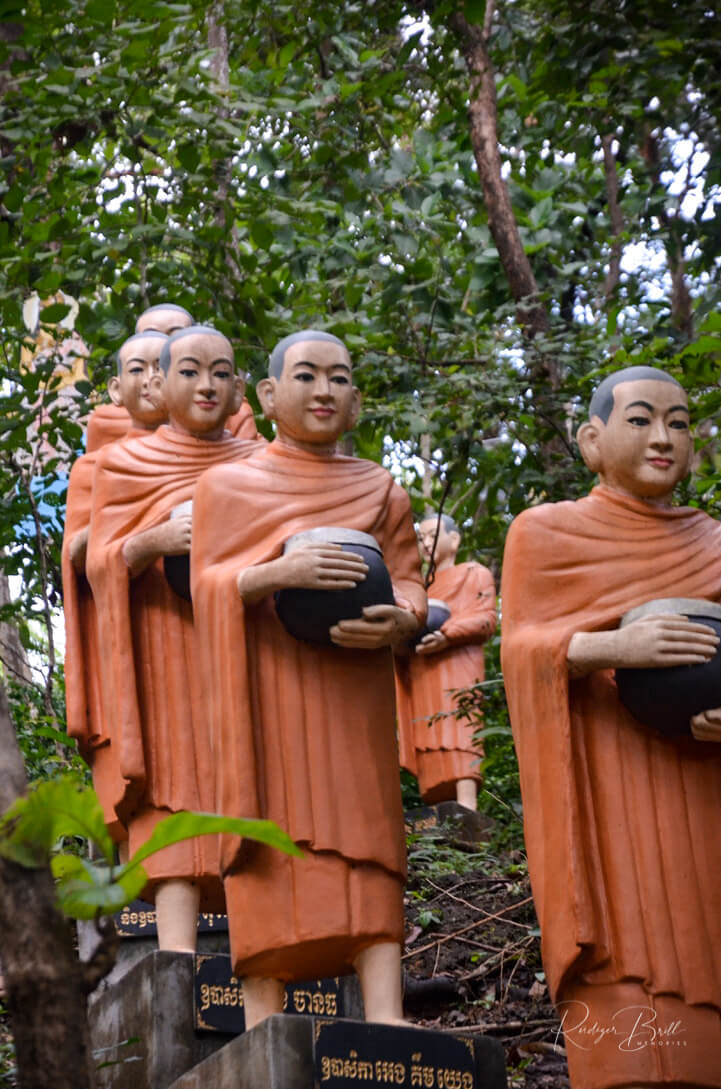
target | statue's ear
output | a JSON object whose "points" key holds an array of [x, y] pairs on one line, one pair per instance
{"points": [[114, 391], [587, 437], [266, 395], [238, 392], [156, 390], [355, 408]]}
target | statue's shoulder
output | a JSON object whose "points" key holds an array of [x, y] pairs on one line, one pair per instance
{"points": [[550, 515]]}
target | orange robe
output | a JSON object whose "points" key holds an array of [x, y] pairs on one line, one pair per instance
{"points": [[620, 821], [108, 423], [303, 735], [442, 752], [152, 693], [82, 662]]}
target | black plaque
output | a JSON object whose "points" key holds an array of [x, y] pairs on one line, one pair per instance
{"points": [[137, 920], [218, 996], [210, 923], [346, 1052]]}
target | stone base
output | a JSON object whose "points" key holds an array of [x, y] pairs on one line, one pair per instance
{"points": [[292, 1052], [468, 825], [141, 938], [143, 1025]]}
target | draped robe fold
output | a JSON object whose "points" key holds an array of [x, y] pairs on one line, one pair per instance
{"points": [[108, 423], [620, 821], [150, 684], [303, 735], [82, 663], [442, 752]]}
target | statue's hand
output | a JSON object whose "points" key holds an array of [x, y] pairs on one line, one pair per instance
{"points": [[665, 640], [173, 536], [649, 643], [78, 550], [707, 725], [380, 626], [322, 567], [432, 643]]}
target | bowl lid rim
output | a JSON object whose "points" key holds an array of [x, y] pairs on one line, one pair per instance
{"points": [[682, 606], [331, 535], [439, 603]]}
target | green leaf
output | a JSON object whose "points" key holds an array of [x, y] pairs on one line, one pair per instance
{"points": [[180, 826], [33, 825], [475, 11], [55, 312]]}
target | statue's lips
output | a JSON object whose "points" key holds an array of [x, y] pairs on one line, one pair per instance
{"points": [[660, 463]]}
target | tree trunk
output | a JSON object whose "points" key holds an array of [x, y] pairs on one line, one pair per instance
{"points": [[483, 118], [43, 981], [12, 652]]}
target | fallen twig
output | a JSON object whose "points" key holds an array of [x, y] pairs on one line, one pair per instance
{"points": [[472, 926]]}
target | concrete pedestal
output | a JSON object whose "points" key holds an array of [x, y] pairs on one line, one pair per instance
{"points": [[142, 1027], [291, 1052]]}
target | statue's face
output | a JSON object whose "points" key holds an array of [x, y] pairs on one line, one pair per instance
{"points": [[446, 545], [645, 447], [201, 388], [314, 401], [138, 363], [163, 321]]}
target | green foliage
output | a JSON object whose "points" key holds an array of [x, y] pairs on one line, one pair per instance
{"points": [[330, 179], [47, 751], [35, 831]]}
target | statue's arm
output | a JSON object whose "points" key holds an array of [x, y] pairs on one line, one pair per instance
{"points": [[171, 538], [649, 643], [313, 567]]}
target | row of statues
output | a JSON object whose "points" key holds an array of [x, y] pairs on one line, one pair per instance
{"points": [[213, 706], [205, 700]]}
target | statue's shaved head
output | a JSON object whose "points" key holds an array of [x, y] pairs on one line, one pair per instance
{"points": [[450, 525], [136, 336], [277, 356], [192, 330], [602, 401], [163, 306]]}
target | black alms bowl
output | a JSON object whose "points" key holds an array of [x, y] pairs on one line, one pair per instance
{"points": [[438, 613], [310, 614], [667, 699], [177, 568]]}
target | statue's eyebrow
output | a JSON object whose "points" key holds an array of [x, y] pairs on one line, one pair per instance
{"points": [[645, 404], [314, 366]]}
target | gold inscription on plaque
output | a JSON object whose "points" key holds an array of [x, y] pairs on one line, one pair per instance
{"points": [[215, 994], [142, 919], [388, 1072]]}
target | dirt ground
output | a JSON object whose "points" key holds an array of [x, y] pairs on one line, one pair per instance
{"points": [[472, 959]]}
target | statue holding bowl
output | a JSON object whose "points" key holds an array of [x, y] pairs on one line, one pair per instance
{"points": [[625, 875]]}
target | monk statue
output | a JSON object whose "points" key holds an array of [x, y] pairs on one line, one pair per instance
{"points": [[168, 318], [151, 688], [303, 733], [620, 819], [130, 390], [441, 751], [165, 318]]}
